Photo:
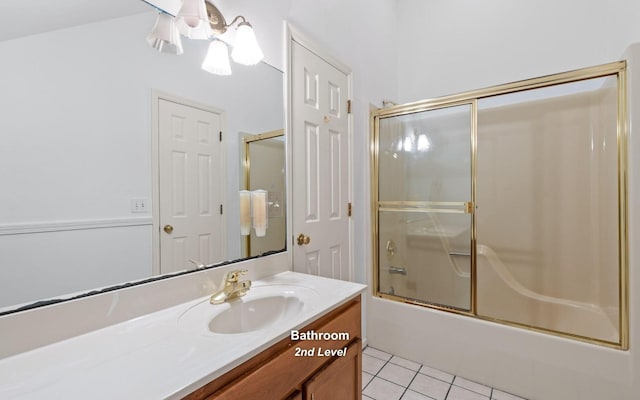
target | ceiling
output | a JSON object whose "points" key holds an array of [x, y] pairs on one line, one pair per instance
{"points": [[22, 18]]}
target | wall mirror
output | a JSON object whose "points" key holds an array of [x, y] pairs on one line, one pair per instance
{"points": [[80, 94]]}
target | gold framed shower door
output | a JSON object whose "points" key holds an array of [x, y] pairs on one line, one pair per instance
{"points": [[615, 69]]}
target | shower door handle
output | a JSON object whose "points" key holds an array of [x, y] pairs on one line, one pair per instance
{"points": [[397, 270], [468, 207]]}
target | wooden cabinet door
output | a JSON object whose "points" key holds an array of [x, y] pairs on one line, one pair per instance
{"points": [[296, 396], [342, 379]]}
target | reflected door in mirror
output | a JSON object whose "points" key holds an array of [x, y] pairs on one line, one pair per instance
{"points": [[190, 187]]}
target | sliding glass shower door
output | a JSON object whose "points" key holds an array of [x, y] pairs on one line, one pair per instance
{"points": [[548, 245], [509, 204], [424, 206]]}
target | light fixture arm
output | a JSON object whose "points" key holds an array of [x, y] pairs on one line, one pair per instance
{"points": [[216, 19], [200, 19], [244, 21]]}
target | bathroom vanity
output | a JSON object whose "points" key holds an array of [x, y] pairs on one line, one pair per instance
{"points": [[300, 369], [243, 348]]}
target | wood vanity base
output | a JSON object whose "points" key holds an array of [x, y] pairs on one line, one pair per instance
{"points": [[302, 369]]}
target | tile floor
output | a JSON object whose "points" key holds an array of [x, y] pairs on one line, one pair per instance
{"points": [[389, 377]]}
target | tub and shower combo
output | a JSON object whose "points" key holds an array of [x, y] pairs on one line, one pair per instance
{"points": [[502, 211]]}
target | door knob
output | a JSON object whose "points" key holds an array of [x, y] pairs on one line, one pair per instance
{"points": [[303, 239], [168, 229]]}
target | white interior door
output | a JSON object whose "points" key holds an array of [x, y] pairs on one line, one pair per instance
{"points": [[191, 191], [320, 166]]}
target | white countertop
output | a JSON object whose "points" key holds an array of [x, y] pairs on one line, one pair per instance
{"points": [[153, 357]]}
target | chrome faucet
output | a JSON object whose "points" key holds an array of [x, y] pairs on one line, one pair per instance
{"points": [[232, 287]]}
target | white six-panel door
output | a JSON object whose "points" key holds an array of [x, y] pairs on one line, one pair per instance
{"points": [[191, 189], [320, 166]]}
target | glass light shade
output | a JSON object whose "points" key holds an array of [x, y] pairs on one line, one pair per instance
{"points": [[246, 50], [192, 20], [217, 59], [164, 36]]}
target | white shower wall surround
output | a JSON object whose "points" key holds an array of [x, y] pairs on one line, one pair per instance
{"points": [[533, 364]]}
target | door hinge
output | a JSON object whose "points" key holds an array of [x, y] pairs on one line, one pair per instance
{"points": [[221, 136], [221, 209], [349, 209], [348, 106]]}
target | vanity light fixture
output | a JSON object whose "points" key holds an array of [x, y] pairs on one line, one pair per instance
{"points": [[246, 50], [192, 20], [217, 59], [164, 36], [200, 19]]}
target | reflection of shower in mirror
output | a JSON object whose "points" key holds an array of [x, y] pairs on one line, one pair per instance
{"points": [[259, 211], [254, 211]]}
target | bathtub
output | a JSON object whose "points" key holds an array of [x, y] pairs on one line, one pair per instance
{"points": [[502, 297]]}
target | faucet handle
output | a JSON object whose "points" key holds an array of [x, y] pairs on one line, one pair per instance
{"points": [[233, 276]]}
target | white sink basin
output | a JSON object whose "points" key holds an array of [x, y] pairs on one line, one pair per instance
{"points": [[260, 308]]}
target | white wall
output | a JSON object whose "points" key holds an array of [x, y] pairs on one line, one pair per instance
{"points": [[450, 46]]}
